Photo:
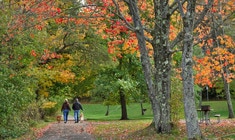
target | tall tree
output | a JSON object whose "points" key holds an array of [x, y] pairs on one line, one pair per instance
{"points": [[155, 29], [218, 50], [191, 117]]}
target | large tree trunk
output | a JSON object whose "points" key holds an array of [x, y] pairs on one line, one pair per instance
{"points": [[158, 90], [162, 62], [191, 117], [122, 96], [123, 105]]}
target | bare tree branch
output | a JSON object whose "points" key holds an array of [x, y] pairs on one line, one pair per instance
{"points": [[120, 15], [180, 7], [196, 23]]}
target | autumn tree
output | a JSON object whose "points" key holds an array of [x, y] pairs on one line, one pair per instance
{"points": [[64, 38], [193, 130], [157, 30], [218, 50], [16, 88], [42, 52]]}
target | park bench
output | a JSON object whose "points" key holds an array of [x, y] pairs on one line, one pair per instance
{"points": [[205, 114], [218, 117]]}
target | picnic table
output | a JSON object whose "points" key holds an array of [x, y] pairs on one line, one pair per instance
{"points": [[204, 114]]}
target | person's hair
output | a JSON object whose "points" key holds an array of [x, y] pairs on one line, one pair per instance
{"points": [[66, 100]]}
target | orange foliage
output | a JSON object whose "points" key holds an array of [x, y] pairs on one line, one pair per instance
{"points": [[217, 51], [211, 67]]}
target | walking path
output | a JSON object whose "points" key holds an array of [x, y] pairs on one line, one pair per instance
{"points": [[68, 131]]}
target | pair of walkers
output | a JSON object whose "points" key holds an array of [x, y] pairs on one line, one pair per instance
{"points": [[76, 107]]}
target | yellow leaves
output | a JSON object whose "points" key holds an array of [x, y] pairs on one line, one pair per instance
{"points": [[44, 92], [81, 79], [125, 46], [64, 76], [81, 36], [49, 104], [217, 68]]}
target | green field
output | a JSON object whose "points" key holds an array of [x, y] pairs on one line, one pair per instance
{"points": [[219, 107], [97, 111]]}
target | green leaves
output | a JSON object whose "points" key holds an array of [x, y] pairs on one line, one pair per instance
{"points": [[15, 98]]}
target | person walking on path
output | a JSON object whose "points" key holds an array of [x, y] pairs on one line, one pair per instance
{"points": [[77, 107], [65, 109]]}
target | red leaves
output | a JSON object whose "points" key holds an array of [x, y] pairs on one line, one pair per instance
{"points": [[33, 53], [58, 10], [47, 55], [59, 20], [111, 49], [34, 15], [122, 41], [116, 28]]}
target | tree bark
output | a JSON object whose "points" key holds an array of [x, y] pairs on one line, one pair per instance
{"points": [[142, 109], [107, 111], [162, 62], [123, 105], [191, 117], [228, 96], [122, 95], [159, 89]]}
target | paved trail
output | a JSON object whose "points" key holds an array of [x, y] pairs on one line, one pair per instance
{"points": [[68, 131]]}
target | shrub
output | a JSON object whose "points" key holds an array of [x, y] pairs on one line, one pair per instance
{"points": [[17, 110], [49, 108]]}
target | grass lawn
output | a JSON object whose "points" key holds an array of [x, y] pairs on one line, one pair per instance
{"points": [[219, 107], [98, 111], [137, 127]]}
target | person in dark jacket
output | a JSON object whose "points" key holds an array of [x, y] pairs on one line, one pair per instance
{"points": [[77, 107], [65, 109]]}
